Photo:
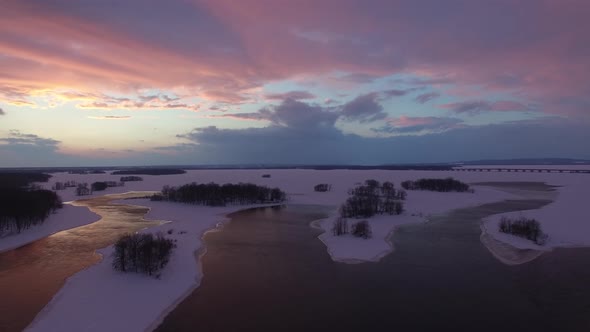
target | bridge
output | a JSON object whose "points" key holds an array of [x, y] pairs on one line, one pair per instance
{"points": [[530, 170]]}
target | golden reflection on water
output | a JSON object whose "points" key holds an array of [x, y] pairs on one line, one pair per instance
{"points": [[32, 274]]}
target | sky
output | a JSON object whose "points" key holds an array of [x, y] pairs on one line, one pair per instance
{"points": [[143, 82]]}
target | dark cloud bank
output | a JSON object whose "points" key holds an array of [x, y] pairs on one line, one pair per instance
{"points": [[301, 133], [305, 134]]}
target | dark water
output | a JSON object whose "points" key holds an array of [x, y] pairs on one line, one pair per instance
{"points": [[267, 271], [32, 274]]}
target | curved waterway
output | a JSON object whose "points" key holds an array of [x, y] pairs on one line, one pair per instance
{"points": [[266, 271], [31, 275]]}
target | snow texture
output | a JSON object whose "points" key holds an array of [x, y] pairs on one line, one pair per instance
{"points": [[100, 299]]}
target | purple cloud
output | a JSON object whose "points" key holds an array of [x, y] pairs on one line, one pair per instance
{"points": [[426, 97], [295, 95], [430, 124], [480, 106], [364, 108], [15, 137]]}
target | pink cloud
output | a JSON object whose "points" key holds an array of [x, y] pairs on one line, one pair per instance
{"points": [[405, 125], [223, 48], [295, 95]]}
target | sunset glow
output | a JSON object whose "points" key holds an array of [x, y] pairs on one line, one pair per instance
{"points": [[264, 81]]}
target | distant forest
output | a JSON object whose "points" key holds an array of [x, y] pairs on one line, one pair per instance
{"points": [[441, 185], [212, 194], [24, 204], [19, 180], [149, 171]]}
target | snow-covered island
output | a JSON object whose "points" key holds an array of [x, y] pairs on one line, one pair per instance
{"points": [[107, 307]]}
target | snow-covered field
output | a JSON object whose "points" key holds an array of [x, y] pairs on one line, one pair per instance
{"points": [[563, 220], [106, 300]]}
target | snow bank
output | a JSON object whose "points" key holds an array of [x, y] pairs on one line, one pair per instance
{"points": [[101, 299], [65, 218], [420, 205], [565, 220]]}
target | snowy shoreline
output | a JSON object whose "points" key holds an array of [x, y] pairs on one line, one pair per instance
{"points": [[562, 219], [156, 298], [63, 219], [420, 207]]}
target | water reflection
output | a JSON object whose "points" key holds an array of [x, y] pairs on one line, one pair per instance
{"points": [[267, 271], [32, 274]]}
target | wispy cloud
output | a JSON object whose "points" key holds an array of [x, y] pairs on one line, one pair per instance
{"points": [[426, 97], [296, 95], [428, 124], [480, 106], [15, 137], [110, 117]]}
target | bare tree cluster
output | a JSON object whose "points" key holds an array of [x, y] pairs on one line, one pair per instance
{"points": [[529, 229], [130, 178], [144, 253], [361, 229], [441, 185], [340, 226], [64, 185], [373, 198], [102, 185], [212, 194], [23, 203], [366, 201], [22, 208], [82, 189], [322, 187]]}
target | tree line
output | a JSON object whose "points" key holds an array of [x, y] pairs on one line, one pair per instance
{"points": [[149, 171], [21, 179], [212, 194], [83, 189], [441, 185], [144, 253], [24, 204], [373, 198], [366, 201], [130, 178], [322, 187], [64, 185], [529, 229], [359, 229]]}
